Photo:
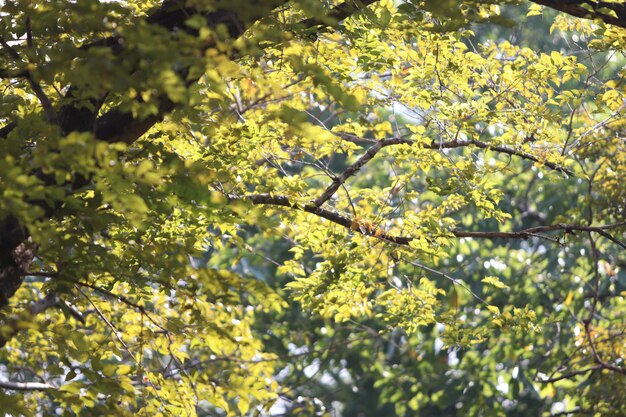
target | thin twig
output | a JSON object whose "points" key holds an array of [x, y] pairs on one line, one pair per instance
{"points": [[568, 375], [122, 299], [449, 278], [119, 338], [109, 324]]}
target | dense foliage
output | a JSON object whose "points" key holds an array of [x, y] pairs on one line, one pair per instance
{"points": [[312, 208]]}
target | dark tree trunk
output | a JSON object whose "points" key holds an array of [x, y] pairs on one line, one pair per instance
{"points": [[16, 255]]}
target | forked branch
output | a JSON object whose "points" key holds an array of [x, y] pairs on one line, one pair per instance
{"points": [[374, 149]]}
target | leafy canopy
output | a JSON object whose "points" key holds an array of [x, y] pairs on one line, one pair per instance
{"points": [[312, 208]]}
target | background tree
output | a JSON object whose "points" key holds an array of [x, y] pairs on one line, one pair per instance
{"points": [[309, 208]]}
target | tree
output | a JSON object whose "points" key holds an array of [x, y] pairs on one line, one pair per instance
{"points": [[234, 208]]}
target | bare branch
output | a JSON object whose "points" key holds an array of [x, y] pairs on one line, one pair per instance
{"points": [[29, 33], [25, 386], [278, 200], [576, 410], [449, 278], [114, 330], [118, 336], [514, 152], [532, 231]]}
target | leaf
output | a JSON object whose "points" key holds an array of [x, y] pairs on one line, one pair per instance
{"points": [[495, 281], [123, 369], [535, 10], [493, 309], [243, 405], [72, 387]]}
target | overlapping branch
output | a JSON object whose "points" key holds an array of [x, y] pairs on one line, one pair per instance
{"points": [[374, 149], [354, 168]]}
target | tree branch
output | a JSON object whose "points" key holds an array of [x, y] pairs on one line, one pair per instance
{"points": [[568, 375], [347, 222], [514, 152], [598, 359], [122, 299], [532, 231], [353, 169], [577, 410], [25, 386], [374, 149], [591, 9], [338, 13], [18, 321]]}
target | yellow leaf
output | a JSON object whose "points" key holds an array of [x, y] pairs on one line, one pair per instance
{"points": [[568, 299], [243, 405], [495, 282], [495, 310], [123, 369]]}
